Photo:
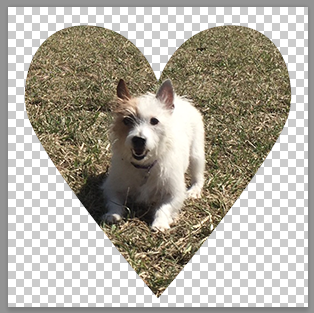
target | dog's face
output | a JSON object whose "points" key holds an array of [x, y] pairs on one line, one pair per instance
{"points": [[141, 124]]}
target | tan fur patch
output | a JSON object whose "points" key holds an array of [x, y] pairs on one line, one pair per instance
{"points": [[127, 107], [124, 108]]}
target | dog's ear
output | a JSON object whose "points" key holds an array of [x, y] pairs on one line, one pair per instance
{"points": [[165, 94], [122, 90]]}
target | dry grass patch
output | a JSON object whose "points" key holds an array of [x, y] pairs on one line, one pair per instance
{"points": [[234, 75]]}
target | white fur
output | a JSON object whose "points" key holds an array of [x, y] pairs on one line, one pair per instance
{"points": [[174, 144]]}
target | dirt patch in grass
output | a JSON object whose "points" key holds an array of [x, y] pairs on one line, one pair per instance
{"points": [[235, 76]]}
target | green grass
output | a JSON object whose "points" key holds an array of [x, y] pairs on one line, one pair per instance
{"points": [[235, 76]]}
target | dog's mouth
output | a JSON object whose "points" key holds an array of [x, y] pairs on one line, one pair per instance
{"points": [[139, 153]]}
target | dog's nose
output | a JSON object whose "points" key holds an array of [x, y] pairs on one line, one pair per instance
{"points": [[138, 141]]}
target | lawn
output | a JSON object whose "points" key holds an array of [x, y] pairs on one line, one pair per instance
{"points": [[235, 76]]}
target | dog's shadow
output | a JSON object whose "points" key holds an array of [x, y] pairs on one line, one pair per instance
{"points": [[92, 198]]}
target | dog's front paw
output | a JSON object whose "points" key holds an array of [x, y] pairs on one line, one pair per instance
{"points": [[160, 224], [111, 218], [194, 192]]}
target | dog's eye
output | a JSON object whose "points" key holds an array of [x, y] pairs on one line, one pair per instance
{"points": [[128, 121], [154, 121]]}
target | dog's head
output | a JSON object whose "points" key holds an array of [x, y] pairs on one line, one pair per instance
{"points": [[141, 124]]}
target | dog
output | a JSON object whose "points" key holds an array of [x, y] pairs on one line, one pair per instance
{"points": [[155, 139]]}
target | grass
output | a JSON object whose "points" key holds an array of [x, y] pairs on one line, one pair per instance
{"points": [[235, 76]]}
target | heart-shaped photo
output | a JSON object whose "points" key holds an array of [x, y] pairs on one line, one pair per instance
{"points": [[158, 164]]}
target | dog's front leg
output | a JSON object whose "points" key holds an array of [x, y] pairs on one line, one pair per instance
{"points": [[115, 211], [166, 213], [163, 218]]}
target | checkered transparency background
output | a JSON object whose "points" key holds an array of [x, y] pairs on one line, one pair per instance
{"points": [[257, 256]]}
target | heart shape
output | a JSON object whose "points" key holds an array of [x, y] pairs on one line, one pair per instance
{"points": [[234, 75]]}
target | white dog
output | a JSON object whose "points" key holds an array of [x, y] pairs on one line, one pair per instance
{"points": [[155, 138]]}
